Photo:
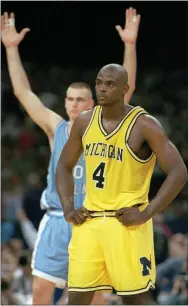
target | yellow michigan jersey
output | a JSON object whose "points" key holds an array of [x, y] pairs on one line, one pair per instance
{"points": [[115, 176], [103, 253]]}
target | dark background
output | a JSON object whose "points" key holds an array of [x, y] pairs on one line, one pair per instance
{"points": [[83, 34]]}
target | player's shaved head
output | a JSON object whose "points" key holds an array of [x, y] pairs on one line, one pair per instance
{"points": [[116, 71], [111, 84]]}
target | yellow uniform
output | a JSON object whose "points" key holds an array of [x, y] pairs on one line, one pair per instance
{"points": [[104, 253]]}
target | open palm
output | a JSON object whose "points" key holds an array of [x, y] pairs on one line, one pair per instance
{"points": [[10, 37], [130, 32]]}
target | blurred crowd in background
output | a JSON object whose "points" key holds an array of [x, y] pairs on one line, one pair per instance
{"points": [[25, 156]]}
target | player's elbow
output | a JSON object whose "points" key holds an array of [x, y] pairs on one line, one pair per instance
{"points": [[21, 93], [181, 172], [17, 92], [185, 174]]}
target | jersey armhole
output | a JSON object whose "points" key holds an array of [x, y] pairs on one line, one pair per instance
{"points": [[142, 112], [58, 125], [90, 122], [55, 131]]}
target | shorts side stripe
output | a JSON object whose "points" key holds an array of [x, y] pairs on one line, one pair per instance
{"points": [[42, 226], [149, 285], [108, 287], [97, 288], [60, 283]]}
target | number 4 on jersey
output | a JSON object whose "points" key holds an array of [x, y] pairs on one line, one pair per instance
{"points": [[98, 175]]}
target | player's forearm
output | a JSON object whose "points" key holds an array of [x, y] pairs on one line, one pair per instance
{"points": [[65, 187], [17, 73], [130, 64], [171, 187]]}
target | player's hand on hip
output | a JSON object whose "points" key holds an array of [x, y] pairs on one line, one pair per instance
{"points": [[130, 32], [77, 216], [131, 216], [10, 37]]}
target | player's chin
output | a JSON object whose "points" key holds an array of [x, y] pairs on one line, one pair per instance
{"points": [[73, 116], [102, 102]]}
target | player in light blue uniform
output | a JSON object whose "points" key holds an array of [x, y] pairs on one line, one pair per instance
{"points": [[50, 256], [53, 227]]}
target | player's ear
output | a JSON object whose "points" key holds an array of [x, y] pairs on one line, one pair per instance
{"points": [[92, 103], [125, 89]]}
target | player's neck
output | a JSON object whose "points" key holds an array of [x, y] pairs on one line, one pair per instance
{"points": [[70, 124], [114, 112]]}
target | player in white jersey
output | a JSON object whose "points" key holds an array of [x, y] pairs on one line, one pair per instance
{"points": [[43, 285]]}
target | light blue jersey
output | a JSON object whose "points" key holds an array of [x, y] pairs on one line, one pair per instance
{"points": [[50, 198]]}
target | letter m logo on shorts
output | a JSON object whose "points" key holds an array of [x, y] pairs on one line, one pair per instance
{"points": [[146, 265]]}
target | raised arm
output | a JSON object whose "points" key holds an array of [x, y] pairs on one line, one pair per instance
{"points": [[129, 37], [41, 115], [64, 174]]}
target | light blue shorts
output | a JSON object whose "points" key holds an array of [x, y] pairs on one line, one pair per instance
{"points": [[50, 255]]}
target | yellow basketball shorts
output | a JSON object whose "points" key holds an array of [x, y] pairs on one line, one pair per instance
{"points": [[104, 254]]}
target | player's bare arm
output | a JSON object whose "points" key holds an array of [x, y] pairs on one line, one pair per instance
{"points": [[41, 115], [170, 162], [128, 35], [64, 174]]}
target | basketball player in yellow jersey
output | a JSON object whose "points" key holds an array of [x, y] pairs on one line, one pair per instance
{"points": [[112, 240]]}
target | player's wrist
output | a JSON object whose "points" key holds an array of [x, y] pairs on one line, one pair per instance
{"points": [[68, 209], [130, 44], [67, 212], [148, 212], [12, 49]]}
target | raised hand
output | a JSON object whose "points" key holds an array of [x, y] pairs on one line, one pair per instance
{"points": [[130, 31], [10, 37]]}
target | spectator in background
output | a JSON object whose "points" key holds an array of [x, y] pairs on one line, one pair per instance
{"points": [[27, 137], [176, 217], [172, 281], [22, 281], [31, 199], [11, 197], [7, 295], [178, 245], [8, 262], [16, 247]]}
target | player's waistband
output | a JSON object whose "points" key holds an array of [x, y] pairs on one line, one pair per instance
{"points": [[54, 212], [105, 213]]}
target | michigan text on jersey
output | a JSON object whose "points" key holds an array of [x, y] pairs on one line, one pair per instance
{"points": [[103, 149]]}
